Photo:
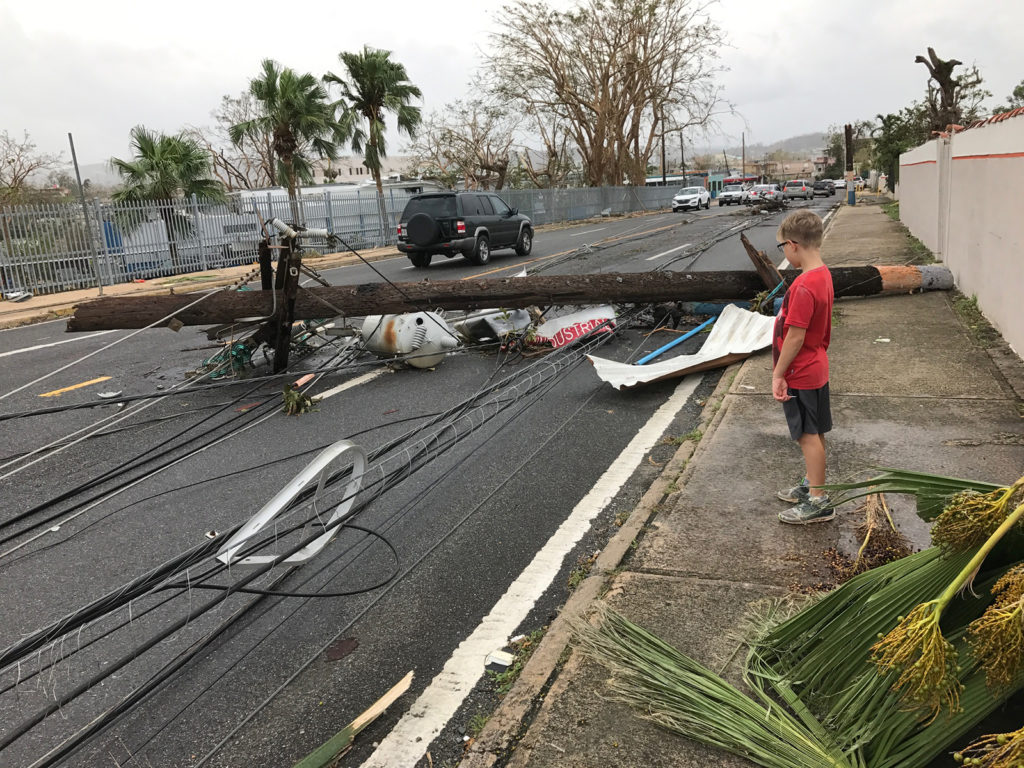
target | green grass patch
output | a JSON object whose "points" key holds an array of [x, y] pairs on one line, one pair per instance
{"points": [[977, 325], [502, 682], [582, 569], [920, 253], [476, 724]]}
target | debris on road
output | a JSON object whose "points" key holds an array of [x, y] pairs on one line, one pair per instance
{"points": [[424, 338], [341, 742], [492, 324], [736, 335], [296, 401], [477, 294], [565, 329]]}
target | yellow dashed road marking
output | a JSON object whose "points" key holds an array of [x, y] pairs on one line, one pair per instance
{"points": [[59, 392]]}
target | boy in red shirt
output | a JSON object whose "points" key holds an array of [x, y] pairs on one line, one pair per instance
{"points": [[800, 352]]}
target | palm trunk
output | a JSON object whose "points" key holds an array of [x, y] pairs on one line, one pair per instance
{"points": [[382, 210], [293, 198]]}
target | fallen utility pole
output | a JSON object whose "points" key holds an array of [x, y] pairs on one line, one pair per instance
{"points": [[509, 293]]}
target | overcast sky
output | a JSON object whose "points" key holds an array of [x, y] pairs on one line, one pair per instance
{"points": [[97, 69]]}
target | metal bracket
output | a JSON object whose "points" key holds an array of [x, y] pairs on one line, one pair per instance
{"points": [[319, 469]]}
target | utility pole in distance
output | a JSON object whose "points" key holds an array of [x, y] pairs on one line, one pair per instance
{"points": [[851, 196]]}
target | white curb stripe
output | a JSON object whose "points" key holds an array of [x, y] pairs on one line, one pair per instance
{"points": [[428, 715]]}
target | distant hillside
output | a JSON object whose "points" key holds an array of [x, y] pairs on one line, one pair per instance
{"points": [[98, 173], [807, 143]]}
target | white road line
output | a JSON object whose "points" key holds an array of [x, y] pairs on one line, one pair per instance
{"points": [[666, 253], [53, 344], [357, 381], [587, 232], [33, 325], [411, 736]]}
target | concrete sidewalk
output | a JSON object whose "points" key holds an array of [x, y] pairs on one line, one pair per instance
{"points": [[909, 389]]}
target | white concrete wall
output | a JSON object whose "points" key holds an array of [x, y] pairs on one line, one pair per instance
{"points": [[959, 197], [919, 199]]}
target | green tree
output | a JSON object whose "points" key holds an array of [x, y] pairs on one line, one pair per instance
{"points": [[895, 134], [372, 86], [295, 111], [1014, 101], [161, 169]]}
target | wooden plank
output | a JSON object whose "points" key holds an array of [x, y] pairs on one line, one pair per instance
{"points": [[337, 745], [769, 275]]}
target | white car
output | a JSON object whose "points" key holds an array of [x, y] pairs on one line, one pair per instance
{"points": [[691, 197], [840, 183], [760, 192], [734, 193]]}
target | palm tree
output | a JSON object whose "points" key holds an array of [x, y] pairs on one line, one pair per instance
{"points": [[161, 169], [297, 114], [374, 85]]}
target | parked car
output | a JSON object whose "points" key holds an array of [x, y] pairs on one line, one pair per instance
{"points": [[798, 188], [763, 192], [733, 193], [840, 183], [824, 187], [691, 197], [470, 224]]}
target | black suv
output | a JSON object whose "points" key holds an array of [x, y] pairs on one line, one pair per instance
{"points": [[471, 224], [825, 187]]}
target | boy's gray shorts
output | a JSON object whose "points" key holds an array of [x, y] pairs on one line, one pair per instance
{"points": [[808, 412]]}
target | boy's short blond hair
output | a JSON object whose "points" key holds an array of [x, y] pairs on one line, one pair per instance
{"points": [[802, 227]]}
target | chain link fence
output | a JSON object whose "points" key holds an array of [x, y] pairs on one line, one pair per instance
{"points": [[53, 247]]}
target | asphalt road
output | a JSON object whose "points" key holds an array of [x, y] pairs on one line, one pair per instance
{"points": [[121, 490]]}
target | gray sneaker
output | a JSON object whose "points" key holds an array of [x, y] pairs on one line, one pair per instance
{"points": [[795, 494], [813, 509]]}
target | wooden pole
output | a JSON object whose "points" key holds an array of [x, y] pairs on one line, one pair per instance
{"points": [[510, 293]]}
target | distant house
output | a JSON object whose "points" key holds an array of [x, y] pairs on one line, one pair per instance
{"points": [[350, 169]]}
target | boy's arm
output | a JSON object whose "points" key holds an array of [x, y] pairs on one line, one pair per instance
{"points": [[791, 345]]}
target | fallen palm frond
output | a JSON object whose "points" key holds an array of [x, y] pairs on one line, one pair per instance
{"points": [[881, 541], [681, 695], [971, 517], [951, 659], [997, 636], [1001, 750], [931, 491]]}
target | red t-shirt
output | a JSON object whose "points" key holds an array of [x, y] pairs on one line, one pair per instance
{"points": [[807, 304]]}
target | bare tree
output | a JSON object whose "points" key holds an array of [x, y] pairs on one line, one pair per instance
{"points": [[471, 141], [20, 161], [951, 100], [552, 165], [614, 71], [248, 165], [432, 157]]}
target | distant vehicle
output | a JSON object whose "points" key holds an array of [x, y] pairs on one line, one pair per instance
{"points": [[840, 183], [691, 197], [824, 187], [798, 188], [469, 224], [733, 193], [763, 192]]}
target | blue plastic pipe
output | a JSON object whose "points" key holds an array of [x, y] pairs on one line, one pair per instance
{"points": [[675, 342]]}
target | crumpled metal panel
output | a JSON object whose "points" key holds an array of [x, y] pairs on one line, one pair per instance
{"points": [[736, 334]]}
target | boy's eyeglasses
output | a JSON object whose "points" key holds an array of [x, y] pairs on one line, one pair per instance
{"points": [[782, 246]]}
